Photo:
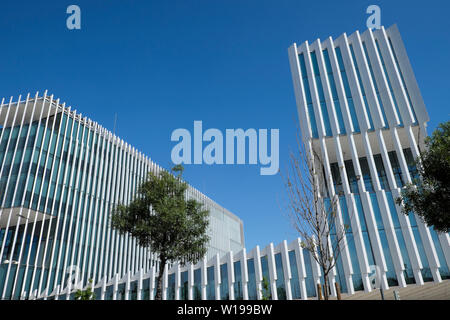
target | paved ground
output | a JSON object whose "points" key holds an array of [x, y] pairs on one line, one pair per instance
{"points": [[429, 291]]}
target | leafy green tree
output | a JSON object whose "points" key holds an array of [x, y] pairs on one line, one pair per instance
{"points": [[87, 294], [163, 219], [265, 292], [429, 195]]}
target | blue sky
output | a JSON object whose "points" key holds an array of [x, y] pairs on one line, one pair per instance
{"points": [[160, 65]]}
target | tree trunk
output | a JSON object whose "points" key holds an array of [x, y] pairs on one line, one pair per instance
{"points": [[162, 265], [325, 285], [338, 290], [319, 292]]}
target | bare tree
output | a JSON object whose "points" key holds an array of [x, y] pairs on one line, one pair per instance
{"points": [[312, 211]]}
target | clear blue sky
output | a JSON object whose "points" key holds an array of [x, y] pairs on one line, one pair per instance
{"points": [[160, 65]]}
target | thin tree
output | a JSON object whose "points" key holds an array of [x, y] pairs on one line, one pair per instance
{"points": [[312, 212], [165, 220]]}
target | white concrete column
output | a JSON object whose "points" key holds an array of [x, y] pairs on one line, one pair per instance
{"points": [[444, 240], [244, 273], [139, 284], [230, 270], [152, 284], [204, 278], [316, 272], [115, 286], [127, 286], [286, 269], [299, 91], [177, 273], [103, 289], [332, 282], [258, 272], [301, 268], [190, 270], [217, 276], [272, 271], [58, 289], [165, 283]]}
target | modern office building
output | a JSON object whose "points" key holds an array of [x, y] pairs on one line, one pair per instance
{"points": [[363, 120], [60, 176], [290, 270]]}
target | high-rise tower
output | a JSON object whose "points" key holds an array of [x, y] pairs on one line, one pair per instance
{"points": [[362, 114]]}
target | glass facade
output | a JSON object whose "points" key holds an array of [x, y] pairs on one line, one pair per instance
{"points": [[171, 287], [197, 284], [363, 91], [210, 287], [265, 274], [403, 81], [397, 111], [310, 107], [281, 283], [323, 106], [348, 94], [332, 85], [310, 284], [60, 177], [426, 272], [391, 275], [224, 293], [295, 281], [369, 73], [238, 286], [281, 289], [380, 102], [251, 285], [184, 294], [408, 273]]}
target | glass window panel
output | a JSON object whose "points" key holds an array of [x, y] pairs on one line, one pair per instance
{"points": [[310, 108], [184, 286], [238, 293], [295, 284], [251, 285], [224, 293], [310, 285], [210, 287], [281, 289]]}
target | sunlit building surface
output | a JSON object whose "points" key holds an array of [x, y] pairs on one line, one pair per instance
{"points": [[60, 176], [362, 116]]}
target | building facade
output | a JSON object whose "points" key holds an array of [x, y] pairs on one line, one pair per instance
{"points": [[60, 176], [291, 272], [363, 119]]}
